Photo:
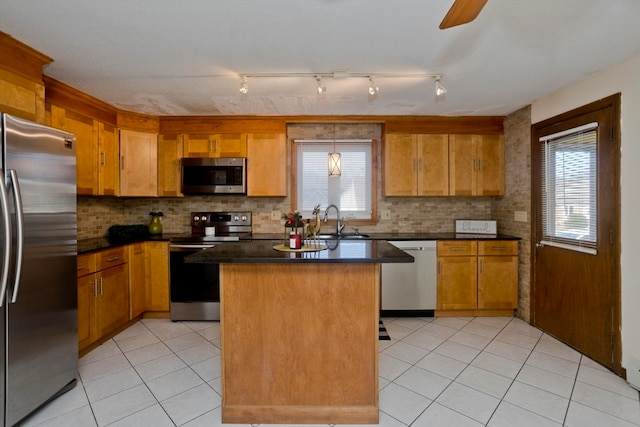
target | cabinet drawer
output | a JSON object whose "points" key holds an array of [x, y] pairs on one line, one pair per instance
{"points": [[498, 247], [110, 257], [86, 264], [456, 247]]}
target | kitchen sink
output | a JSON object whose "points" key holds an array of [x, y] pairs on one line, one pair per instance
{"points": [[344, 236]]}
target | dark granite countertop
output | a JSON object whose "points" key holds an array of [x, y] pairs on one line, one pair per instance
{"points": [[338, 251], [403, 236], [99, 243]]}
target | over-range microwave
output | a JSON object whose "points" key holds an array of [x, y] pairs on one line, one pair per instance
{"points": [[221, 175]]}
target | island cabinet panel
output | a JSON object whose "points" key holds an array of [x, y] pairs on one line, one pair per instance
{"points": [[300, 343]]}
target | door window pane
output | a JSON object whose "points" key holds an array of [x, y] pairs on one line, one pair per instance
{"points": [[569, 191]]}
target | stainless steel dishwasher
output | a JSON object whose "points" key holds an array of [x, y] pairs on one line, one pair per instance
{"points": [[410, 289]]}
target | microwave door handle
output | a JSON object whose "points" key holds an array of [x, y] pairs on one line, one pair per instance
{"points": [[19, 233], [6, 225]]}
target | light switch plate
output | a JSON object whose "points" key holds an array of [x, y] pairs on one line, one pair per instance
{"points": [[520, 216], [385, 214], [276, 215]]}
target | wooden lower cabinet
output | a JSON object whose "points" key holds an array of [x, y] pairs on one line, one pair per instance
{"points": [[157, 278], [137, 279], [476, 278], [103, 294]]}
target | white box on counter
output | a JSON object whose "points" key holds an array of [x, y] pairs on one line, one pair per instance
{"points": [[476, 226]]}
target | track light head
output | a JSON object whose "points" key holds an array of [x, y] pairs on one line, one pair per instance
{"points": [[440, 90], [320, 88], [244, 87], [373, 88]]}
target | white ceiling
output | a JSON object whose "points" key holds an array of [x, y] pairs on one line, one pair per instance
{"points": [[170, 57]]}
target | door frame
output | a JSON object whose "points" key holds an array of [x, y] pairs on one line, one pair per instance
{"points": [[613, 102]]}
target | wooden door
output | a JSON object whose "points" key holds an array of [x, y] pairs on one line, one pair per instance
{"points": [[498, 274], [230, 145], [137, 279], [108, 160], [490, 165], [576, 271], [267, 165], [157, 276], [462, 165], [86, 152], [112, 304], [399, 160], [457, 287], [86, 301], [433, 165], [198, 145], [169, 172], [138, 163]]}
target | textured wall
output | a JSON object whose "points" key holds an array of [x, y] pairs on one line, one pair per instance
{"points": [[517, 141]]}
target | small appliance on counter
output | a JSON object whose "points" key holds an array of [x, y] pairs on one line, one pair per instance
{"points": [[195, 288]]}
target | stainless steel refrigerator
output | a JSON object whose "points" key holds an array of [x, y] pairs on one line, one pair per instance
{"points": [[38, 248]]}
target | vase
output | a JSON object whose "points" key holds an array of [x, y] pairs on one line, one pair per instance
{"points": [[155, 226]]}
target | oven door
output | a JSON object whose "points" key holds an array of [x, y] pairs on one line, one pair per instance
{"points": [[194, 288]]}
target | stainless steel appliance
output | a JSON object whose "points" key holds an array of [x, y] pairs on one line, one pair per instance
{"points": [[38, 236], [224, 175], [195, 288], [410, 289]]}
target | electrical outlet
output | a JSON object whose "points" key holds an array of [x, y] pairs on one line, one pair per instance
{"points": [[276, 215], [520, 216], [385, 214]]}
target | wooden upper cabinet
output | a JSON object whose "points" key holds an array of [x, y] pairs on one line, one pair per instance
{"points": [[433, 165], [86, 149], [108, 150], [399, 168], [476, 165], [416, 165], [138, 163], [169, 168], [266, 165], [96, 152], [215, 145]]}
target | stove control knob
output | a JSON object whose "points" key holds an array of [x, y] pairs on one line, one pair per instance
{"points": [[196, 218], [244, 217], [236, 218]]}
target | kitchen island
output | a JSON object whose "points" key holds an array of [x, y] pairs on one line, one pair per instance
{"points": [[299, 330]]}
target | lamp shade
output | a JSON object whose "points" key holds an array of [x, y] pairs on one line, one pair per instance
{"points": [[334, 164]]}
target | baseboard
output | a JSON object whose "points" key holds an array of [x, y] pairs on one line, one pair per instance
{"points": [[406, 313]]}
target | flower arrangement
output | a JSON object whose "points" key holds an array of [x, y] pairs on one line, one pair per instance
{"points": [[156, 213], [293, 220]]}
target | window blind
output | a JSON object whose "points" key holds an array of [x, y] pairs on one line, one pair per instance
{"points": [[351, 191], [569, 190]]}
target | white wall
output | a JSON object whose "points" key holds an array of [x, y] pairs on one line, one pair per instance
{"points": [[623, 78]]}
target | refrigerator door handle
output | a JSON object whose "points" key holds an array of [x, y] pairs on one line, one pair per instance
{"points": [[19, 233], [6, 259]]}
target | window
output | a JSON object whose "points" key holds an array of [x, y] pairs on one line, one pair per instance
{"points": [[351, 191], [569, 188]]}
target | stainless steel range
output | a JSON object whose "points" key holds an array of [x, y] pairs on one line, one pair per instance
{"points": [[195, 288]]}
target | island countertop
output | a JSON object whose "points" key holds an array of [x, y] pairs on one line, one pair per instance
{"points": [[338, 251]]}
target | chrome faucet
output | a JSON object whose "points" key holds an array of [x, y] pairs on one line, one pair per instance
{"points": [[339, 221]]}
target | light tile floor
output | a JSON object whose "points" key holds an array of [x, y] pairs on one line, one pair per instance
{"points": [[447, 372]]}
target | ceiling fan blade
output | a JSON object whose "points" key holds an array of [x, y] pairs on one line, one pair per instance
{"points": [[462, 12]]}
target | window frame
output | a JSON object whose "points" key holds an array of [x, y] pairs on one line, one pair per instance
{"points": [[374, 179]]}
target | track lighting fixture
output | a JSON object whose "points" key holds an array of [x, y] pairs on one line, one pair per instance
{"points": [[244, 88], [440, 90], [373, 88], [320, 87]]}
